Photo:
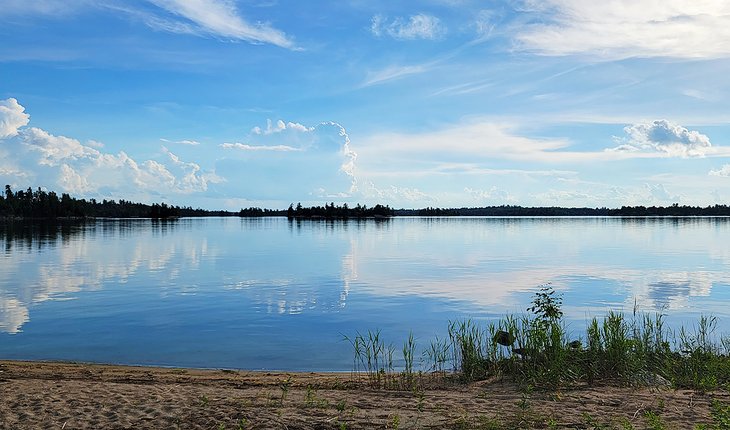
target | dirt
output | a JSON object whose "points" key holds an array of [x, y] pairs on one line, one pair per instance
{"points": [[67, 396]]}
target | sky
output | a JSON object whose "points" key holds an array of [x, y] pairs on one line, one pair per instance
{"points": [[224, 104]]}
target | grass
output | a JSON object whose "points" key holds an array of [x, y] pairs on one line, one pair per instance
{"points": [[634, 349]]}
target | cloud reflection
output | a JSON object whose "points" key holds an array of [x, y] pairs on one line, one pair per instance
{"points": [[273, 267], [57, 261]]}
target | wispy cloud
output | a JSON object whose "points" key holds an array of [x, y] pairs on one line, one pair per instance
{"points": [[393, 72], [42, 7], [182, 142], [219, 18], [420, 26], [247, 147], [621, 29]]}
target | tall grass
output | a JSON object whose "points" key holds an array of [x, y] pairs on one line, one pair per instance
{"points": [[372, 356], [628, 350]]}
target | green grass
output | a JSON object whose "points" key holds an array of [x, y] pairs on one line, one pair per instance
{"points": [[634, 349]]}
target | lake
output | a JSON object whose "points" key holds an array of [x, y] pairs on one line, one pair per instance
{"points": [[268, 293]]}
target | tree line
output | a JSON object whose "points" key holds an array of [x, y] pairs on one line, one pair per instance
{"points": [[631, 211], [330, 211], [40, 203]]}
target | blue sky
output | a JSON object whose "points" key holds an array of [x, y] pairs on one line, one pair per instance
{"points": [[228, 104]]}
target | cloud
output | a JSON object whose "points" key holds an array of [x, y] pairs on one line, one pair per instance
{"points": [[42, 7], [658, 193], [219, 18], [31, 156], [664, 137], [461, 142], [280, 127], [396, 194], [247, 147], [55, 149], [12, 117], [182, 142], [420, 26], [493, 195], [292, 162], [13, 314], [623, 28], [723, 171], [392, 73]]}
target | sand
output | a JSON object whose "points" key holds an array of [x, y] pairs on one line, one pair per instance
{"points": [[82, 396]]}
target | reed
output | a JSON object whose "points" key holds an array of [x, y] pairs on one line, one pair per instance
{"points": [[638, 349]]}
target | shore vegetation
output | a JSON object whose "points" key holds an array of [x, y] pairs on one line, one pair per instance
{"points": [[537, 351]]}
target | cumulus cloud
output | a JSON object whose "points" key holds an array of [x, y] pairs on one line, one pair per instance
{"points": [[12, 117], [220, 18], [55, 149], [13, 314], [279, 127], [292, 161], [420, 26], [664, 137], [723, 171], [394, 194], [658, 193], [32, 156], [493, 195], [623, 28]]}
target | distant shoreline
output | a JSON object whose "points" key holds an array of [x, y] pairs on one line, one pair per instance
{"points": [[42, 204]]}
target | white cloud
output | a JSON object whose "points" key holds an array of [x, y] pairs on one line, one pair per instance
{"points": [[391, 73], [280, 126], [44, 7], [32, 156], [723, 171], [247, 147], [396, 194], [13, 314], [484, 23], [664, 137], [628, 28], [291, 161], [493, 195], [12, 117], [71, 181], [658, 193], [220, 18], [462, 142], [55, 149], [420, 26], [182, 142]]}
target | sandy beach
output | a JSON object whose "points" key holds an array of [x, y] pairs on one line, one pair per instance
{"points": [[83, 396]]}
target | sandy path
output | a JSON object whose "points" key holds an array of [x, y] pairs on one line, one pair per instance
{"points": [[79, 396]]}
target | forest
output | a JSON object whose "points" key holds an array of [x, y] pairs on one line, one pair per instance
{"points": [[41, 204]]}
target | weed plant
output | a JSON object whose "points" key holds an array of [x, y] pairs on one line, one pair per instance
{"points": [[638, 349]]}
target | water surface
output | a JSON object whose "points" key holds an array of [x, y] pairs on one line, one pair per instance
{"points": [[269, 293]]}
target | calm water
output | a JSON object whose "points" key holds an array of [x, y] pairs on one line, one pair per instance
{"points": [[273, 294]]}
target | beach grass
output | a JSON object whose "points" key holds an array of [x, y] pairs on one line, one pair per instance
{"points": [[535, 350]]}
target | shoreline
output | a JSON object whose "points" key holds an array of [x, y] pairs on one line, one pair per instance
{"points": [[86, 396]]}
